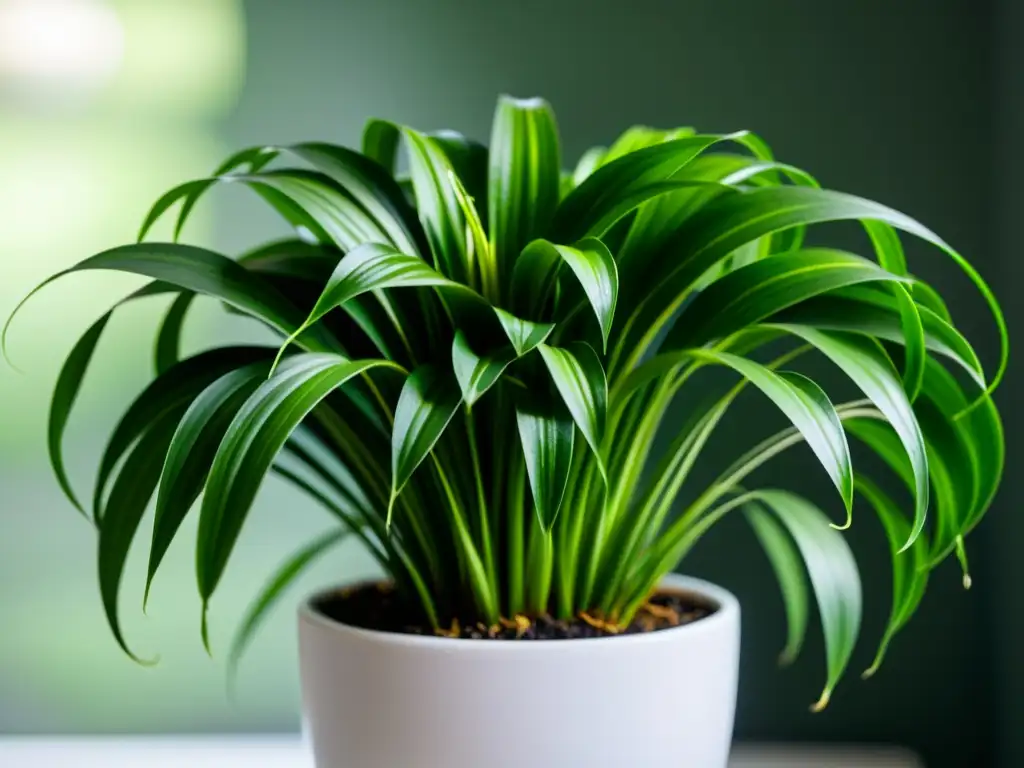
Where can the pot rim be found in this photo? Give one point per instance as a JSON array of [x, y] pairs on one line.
[[727, 609]]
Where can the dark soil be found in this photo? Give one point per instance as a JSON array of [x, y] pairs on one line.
[[375, 606]]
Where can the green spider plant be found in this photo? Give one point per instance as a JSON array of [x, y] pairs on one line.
[[476, 357]]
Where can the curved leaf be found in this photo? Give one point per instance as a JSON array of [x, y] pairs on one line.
[[810, 411], [789, 570], [834, 577], [69, 382], [731, 221], [765, 287], [273, 590], [437, 204], [875, 313], [191, 452], [202, 271], [867, 365], [591, 262], [129, 497], [253, 439], [621, 185], [909, 569], [175, 388]]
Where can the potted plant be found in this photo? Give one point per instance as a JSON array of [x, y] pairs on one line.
[[475, 359]]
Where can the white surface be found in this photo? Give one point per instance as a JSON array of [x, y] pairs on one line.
[[651, 700], [288, 752]]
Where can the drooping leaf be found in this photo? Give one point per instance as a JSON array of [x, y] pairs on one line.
[[763, 288], [273, 590], [909, 569], [129, 497], [730, 221], [789, 571], [834, 577], [253, 439], [191, 452], [867, 365], [876, 314], [590, 261], [69, 382], [808, 408], [202, 271], [547, 434]]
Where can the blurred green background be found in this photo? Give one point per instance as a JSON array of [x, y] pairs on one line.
[[104, 104]]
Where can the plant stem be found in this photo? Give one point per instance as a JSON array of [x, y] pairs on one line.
[[516, 527], [478, 581], [481, 504], [539, 567]]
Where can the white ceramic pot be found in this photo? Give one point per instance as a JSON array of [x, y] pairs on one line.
[[663, 699]]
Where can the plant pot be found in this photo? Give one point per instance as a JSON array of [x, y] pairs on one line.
[[383, 700]]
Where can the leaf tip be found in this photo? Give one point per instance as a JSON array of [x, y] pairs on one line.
[[870, 671], [967, 581], [204, 629], [821, 703]]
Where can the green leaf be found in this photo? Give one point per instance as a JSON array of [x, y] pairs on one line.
[[253, 439], [867, 365], [273, 590], [191, 191], [591, 262], [875, 313], [547, 434], [202, 271], [371, 186], [191, 452], [765, 287], [579, 377], [523, 177], [64, 395], [623, 184], [373, 267], [428, 401], [167, 351], [69, 382], [523, 334], [437, 204], [730, 221], [175, 388], [480, 255], [909, 569], [129, 497], [380, 143], [789, 571], [477, 374], [834, 577], [810, 411]]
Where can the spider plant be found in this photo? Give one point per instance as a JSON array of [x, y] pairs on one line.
[[475, 358]]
